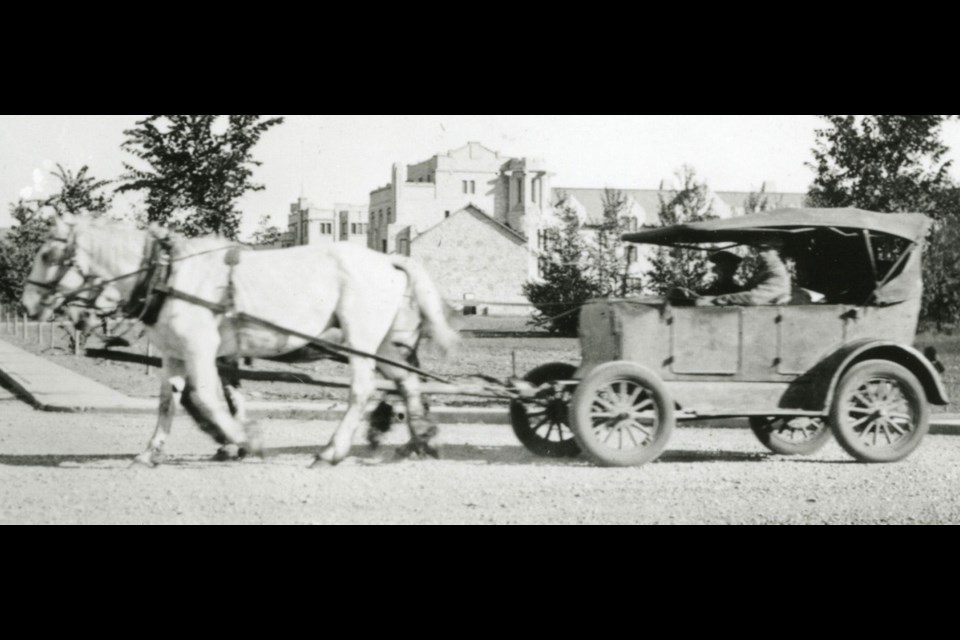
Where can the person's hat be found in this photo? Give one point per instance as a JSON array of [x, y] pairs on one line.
[[726, 257]]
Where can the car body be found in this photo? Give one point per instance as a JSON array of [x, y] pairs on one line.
[[787, 367]]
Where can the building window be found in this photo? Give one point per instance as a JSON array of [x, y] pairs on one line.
[[389, 215], [631, 255], [466, 187], [404, 247], [384, 246], [473, 186], [344, 230], [446, 214]]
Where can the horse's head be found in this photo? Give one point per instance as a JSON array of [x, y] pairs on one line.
[[58, 269], [64, 275]]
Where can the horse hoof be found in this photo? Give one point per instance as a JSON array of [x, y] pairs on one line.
[[144, 461], [228, 453], [418, 451], [322, 463]]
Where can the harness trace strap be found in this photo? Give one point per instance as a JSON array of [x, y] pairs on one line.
[[226, 310]]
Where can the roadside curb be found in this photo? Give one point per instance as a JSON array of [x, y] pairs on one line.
[[13, 385], [942, 424]]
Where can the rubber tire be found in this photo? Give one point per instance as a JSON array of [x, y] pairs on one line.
[[582, 423], [913, 393], [776, 444], [520, 420]]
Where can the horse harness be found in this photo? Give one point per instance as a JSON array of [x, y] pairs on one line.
[[153, 290]]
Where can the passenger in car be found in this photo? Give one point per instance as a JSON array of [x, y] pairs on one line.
[[771, 286], [725, 265]]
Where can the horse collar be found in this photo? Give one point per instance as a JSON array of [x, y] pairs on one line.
[[145, 300]]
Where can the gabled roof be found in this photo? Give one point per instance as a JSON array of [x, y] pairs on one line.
[[479, 214]]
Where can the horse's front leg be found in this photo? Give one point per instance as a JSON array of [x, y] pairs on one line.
[[204, 400], [362, 387], [171, 386]]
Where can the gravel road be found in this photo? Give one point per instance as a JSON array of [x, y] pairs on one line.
[[71, 468]]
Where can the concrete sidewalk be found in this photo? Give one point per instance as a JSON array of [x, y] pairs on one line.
[[50, 387]]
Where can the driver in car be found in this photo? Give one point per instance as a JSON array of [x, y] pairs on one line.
[[772, 285]]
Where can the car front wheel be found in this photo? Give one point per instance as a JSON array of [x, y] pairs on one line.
[[542, 425], [622, 415], [880, 412]]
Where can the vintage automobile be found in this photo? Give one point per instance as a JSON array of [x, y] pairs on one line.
[[798, 372]]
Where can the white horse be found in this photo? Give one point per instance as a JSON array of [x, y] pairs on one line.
[[369, 302]]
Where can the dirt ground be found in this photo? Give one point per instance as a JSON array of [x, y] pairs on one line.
[[74, 469]]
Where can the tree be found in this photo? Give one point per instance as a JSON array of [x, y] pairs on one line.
[[267, 233], [760, 201], [610, 260], [19, 248], [896, 163], [886, 163], [674, 267], [79, 193], [567, 280], [193, 167]]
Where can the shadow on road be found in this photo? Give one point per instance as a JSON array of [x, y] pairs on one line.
[[360, 455]]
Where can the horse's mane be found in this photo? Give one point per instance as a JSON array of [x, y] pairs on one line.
[[118, 240]]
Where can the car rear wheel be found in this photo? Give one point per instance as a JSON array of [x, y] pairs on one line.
[[791, 436], [880, 412], [622, 415], [543, 425]]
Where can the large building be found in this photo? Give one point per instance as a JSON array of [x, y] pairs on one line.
[[476, 219], [309, 224]]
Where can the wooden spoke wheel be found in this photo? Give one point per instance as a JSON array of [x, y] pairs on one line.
[[622, 415], [880, 412], [543, 425], [791, 436]]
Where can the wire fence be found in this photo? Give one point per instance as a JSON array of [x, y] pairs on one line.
[[14, 322]]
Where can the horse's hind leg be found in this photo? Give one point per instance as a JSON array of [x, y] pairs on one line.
[[423, 431], [171, 386], [362, 387]]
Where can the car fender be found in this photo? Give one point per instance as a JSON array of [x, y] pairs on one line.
[[907, 357]]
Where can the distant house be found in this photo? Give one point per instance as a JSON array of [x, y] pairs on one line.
[[309, 224], [475, 260]]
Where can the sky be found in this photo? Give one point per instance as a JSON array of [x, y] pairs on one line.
[[341, 158]]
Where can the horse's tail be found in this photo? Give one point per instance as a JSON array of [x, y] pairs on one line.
[[431, 303]]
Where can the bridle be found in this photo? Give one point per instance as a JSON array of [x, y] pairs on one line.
[[66, 261], [146, 295], [90, 291]]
